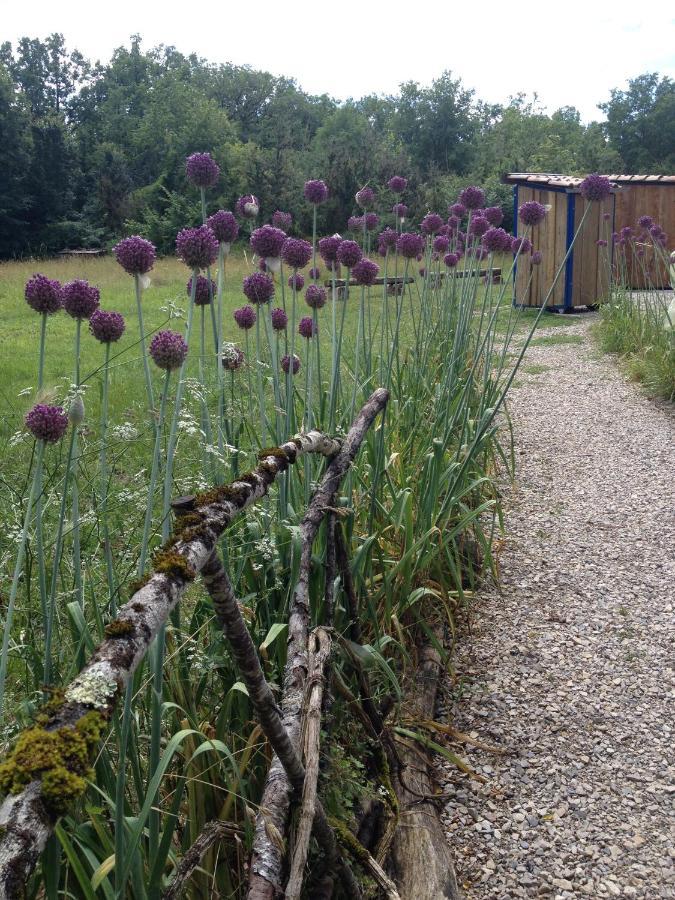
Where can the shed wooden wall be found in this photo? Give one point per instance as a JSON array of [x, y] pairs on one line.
[[589, 265], [637, 199]]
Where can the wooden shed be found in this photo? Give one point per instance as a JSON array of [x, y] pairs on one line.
[[583, 281]]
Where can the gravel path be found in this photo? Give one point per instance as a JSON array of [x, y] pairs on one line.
[[570, 664]]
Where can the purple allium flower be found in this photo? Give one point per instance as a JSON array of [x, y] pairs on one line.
[[451, 260], [316, 191], [349, 253], [626, 232], [441, 243], [43, 294], [80, 299], [297, 281], [453, 223], [532, 213], [606, 216], [247, 207], [46, 423], [365, 197], [258, 288], [224, 226], [410, 245], [659, 235], [536, 258], [595, 187], [204, 290], [431, 223], [107, 327], [286, 363], [382, 249], [472, 197], [496, 240], [458, 210], [245, 317], [296, 252], [168, 350], [365, 271], [479, 225], [315, 273], [601, 243], [267, 242], [282, 220], [135, 255], [328, 248], [400, 210], [197, 247], [494, 215], [372, 221], [315, 296], [615, 237], [232, 357], [521, 243], [387, 238], [262, 265], [640, 252], [306, 327], [355, 223], [279, 319], [645, 222], [202, 170], [397, 184]]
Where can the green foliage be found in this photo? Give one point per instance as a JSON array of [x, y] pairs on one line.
[[641, 123]]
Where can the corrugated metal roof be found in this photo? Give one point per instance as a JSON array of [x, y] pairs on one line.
[[571, 183]]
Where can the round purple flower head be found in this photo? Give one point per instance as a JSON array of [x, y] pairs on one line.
[[451, 260], [315, 296], [279, 319], [472, 197], [441, 243], [494, 215], [532, 213], [204, 290], [453, 224], [296, 252], [458, 210], [316, 191], [232, 357], [521, 243], [349, 253], [80, 299], [626, 232], [496, 240], [365, 197], [267, 241], [107, 327], [135, 255], [46, 423], [197, 247], [595, 187], [328, 248], [315, 273], [479, 225], [372, 221], [431, 223], [400, 210], [282, 220], [224, 226], [245, 317], [387, 238], [410, 245], [536, 258], [168, 350], [43, 294], [640, 252], [365, 271], [297, 281], [258, 288], [601, 243], [355, 223], [202, 170], [397, 184], [247, 207], [606, 216], [286, 363], [645, 222], [306, 327]]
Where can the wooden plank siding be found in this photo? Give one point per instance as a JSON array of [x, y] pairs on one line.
[[647, 198]]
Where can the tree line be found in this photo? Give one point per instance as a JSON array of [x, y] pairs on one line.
[[89, 152]]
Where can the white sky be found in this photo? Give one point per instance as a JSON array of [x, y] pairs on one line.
[[571, 52]]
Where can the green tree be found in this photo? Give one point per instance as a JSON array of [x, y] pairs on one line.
[[641, 123]]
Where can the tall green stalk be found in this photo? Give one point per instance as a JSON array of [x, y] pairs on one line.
[[144, 350]]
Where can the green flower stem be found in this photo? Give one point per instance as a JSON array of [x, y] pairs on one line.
[[144, 349], [259, 381], [120, 784], [153, 477], [274, 353], [41, 358], [107, 548], [216, 331], [39, 535]]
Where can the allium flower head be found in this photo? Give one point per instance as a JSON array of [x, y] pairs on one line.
[[387, 238], [43, 294], [314, 273], [494, 215], [453, 223], [168, 350], [316, 191], [296, 252], [601, 243], [135, 255], [532, 213], [197, 247], [431, 223], [349, 253], [451, 260], [107, 327], [536, 258], [328, 248], [267, 241], [245, 317], [400, 210], [626, 232], [258, 288], [282, 220], [645, 222], [315, 296], [224, 226], [46, 423], [279, 319], [595, 187], [204, 290], [472, 197], [286, 364], [306, 327], [521, 243], [479, 225], [202, 170], [80, 299], [355, 223], [365, 197], [397, 184], [458, 210], [606, 216], [247, 207], [496, 240], [232, 357], [365, 271], [410, 245], [441, 243], [297, 281], [372, 220]]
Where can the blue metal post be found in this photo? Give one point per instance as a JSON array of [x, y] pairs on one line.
[[569, 265]]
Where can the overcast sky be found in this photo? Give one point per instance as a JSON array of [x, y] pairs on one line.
[[570, 53]]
